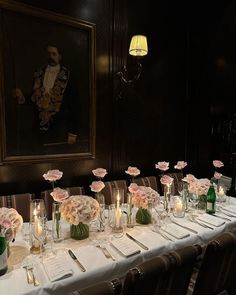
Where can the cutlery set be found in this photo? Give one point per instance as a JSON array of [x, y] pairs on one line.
[[31, 278]]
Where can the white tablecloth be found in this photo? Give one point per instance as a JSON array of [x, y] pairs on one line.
[[98, 267]]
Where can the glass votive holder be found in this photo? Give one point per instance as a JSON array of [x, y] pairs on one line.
[[116, 220], [37, 226], [179, 207]]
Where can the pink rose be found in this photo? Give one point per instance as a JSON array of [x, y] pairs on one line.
[[53, 175], [162, 166], [59, 194], [217, 175], [218, 164], [133, 171], [133, 188], [189, 178], [6, 223], [97, 186], [166, 179], [180, 165], [99, 172]]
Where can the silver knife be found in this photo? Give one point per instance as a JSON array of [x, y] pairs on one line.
[[183, 226], [137, 242], [72, 255]]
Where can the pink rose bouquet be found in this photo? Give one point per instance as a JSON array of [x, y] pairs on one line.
[[145, 196], [77, 209], [10, 223]]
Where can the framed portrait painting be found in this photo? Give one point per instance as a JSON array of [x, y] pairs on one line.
[[47, 85]]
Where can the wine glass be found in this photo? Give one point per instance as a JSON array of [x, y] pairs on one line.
[[180, 188], [194, 199]]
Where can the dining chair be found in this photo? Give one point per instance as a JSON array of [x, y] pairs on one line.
[[167, 274], [113, 287], [75, 190], [216, 274], [150, 181], [5, 201], [21, 202], [114, 184]]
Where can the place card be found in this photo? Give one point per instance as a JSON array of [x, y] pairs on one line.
[[125, 247], [57, 268]]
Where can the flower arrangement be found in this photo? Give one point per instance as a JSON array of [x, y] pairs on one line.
[[77, 210], [144, 196], [10, 223], [58, 195], [200, 186]]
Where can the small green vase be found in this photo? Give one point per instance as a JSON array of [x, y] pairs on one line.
[[80, 231], [143, 216]]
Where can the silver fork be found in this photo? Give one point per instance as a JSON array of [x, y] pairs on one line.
[[106, 252], [35, 281], [28, 274]]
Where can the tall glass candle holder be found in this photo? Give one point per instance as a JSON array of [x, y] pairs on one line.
[[179, 207], [37, 225], [118, 200]]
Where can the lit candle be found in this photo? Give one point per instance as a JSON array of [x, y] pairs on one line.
[[179, 206], [221, 192], [118, 211]]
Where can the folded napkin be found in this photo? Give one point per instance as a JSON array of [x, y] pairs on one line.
[[57, 268], [125, 246], [176, 231], [230, 209], [208, 219]]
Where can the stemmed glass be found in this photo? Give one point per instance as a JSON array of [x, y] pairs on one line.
[[180, 188], [194, 199]]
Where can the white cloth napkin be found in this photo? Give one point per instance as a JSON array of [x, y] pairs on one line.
[[230, 208], [208, 219], [175, 231], [57, 268], [125, 246]]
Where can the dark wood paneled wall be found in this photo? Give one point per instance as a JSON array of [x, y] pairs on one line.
[[165, 115]]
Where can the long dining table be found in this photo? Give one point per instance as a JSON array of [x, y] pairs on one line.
[[99, 267]]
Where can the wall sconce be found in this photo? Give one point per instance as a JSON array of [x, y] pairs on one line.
[[138, 48]]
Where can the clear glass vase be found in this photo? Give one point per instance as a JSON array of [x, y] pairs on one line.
[[3, 255], [57, 232], [101, 219]]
